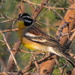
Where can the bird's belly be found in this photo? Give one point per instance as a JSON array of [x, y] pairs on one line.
[[33, 45]]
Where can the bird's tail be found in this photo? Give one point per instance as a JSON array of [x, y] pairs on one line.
[[69, 59]]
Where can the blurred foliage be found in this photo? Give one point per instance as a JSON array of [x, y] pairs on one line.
[[10, 8]]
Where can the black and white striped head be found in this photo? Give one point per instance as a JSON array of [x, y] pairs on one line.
[[26, 18]]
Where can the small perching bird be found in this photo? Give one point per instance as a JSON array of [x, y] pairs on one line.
[[35, 39]]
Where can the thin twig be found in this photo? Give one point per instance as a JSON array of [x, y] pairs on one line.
[[16, 73], [72, 37], [10, 50], [49, 7], [24, 51], [14, 51], [2, 41], [35, 62], [3, 65], [63, 69], [8, 30], [5, 16], [31, 65], [9, 20], [73, 30], [57, 62]]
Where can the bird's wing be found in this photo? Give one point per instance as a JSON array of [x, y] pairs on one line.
[[45, 41], [36, 35]]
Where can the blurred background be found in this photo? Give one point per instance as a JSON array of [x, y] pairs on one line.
[[48, 21]]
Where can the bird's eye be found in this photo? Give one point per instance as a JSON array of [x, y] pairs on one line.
[[26, 17]]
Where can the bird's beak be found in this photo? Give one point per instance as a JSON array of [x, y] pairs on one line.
[[20, 19]]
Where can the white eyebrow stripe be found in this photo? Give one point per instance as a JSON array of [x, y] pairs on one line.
[[31, 35], [26, 17], [27, 21]]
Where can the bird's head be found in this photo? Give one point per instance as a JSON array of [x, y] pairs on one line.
[[25, 20]]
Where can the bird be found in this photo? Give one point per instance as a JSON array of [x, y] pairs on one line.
[[35, 39]]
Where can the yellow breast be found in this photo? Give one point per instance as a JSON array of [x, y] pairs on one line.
[[32, 45], [21, 27]]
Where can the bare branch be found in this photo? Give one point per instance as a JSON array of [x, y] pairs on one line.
[[8, 30], [49, 7], [10, 50], [2, 63], [16, 73], [14, 51]]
